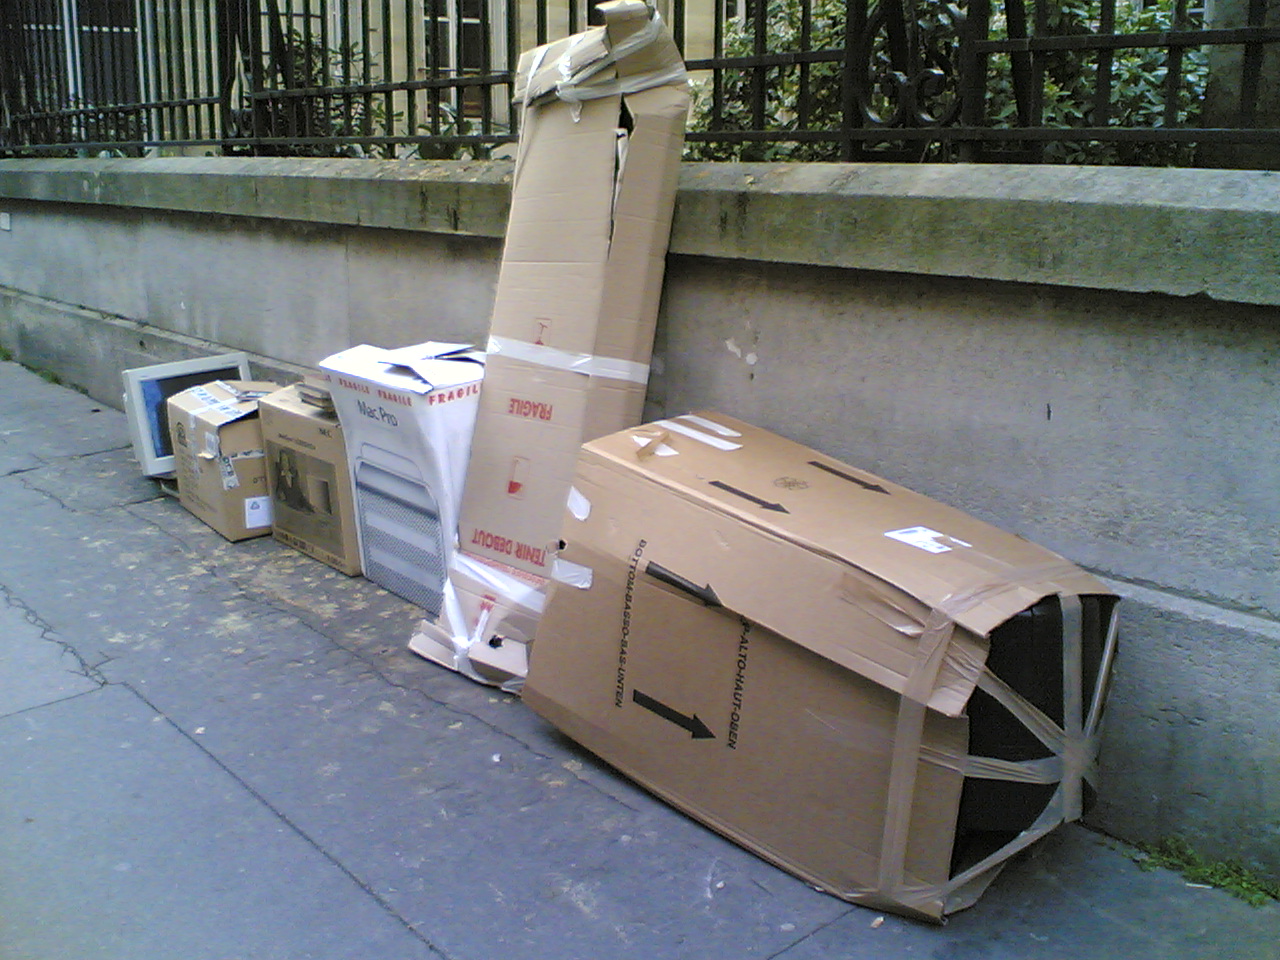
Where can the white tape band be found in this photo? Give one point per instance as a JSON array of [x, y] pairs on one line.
[[708, 439], [571, 574], [609, 368]]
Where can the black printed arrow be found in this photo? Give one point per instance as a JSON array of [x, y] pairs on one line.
[[697, 729], [704, 593], [875, 487], [768, 505]]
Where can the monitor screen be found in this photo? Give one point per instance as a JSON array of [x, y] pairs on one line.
[[146, 394]]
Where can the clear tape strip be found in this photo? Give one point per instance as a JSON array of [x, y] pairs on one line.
[[575, 93], [1074, 757], [909, 732], [576, 87], [1031, 717], [1100, 686], [610, 368]]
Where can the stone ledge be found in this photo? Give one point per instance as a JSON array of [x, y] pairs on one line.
[[1179, 232]]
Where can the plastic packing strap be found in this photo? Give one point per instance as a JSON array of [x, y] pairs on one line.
[[909, 732], [610, 368]]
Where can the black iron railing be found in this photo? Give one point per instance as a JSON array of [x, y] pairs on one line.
[[1094, 81]]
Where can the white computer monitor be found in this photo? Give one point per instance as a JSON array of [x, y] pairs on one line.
[[146, 394]]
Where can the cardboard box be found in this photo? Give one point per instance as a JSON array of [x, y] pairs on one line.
[[407, 416], [218, 456], [877, 692], [308, 479], [602, 130]]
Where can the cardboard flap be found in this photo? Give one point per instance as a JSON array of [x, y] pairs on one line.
[[419, 368], [223, 401], [424, 361]]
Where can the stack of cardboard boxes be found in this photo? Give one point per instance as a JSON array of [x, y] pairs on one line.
[[876, 692]]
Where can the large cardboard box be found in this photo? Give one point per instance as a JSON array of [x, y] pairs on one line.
[[875, 691], [602, 129], [308, 479], [218, 456], [407, 416]]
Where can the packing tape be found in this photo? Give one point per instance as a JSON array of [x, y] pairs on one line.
[[575, 86], [572, 574], [1074, 753], [609, 368], [578, 505], [633, 83], [711, 425], [709, 439]]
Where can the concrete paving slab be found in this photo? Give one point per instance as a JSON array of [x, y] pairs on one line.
[[120, 838], [35, 668]]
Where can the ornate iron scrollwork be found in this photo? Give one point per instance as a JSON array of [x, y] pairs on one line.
[[908, 62]]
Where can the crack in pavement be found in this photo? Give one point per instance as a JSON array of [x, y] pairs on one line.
[[47, 633]]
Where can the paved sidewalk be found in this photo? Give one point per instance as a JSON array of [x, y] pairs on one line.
[[214, 751]]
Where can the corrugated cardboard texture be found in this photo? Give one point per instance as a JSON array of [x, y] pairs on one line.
[[761, 633]]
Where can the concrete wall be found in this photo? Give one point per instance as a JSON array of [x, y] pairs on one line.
[[1090, 358]]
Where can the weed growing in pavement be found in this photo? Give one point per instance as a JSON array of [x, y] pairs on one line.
[[1174, 853]]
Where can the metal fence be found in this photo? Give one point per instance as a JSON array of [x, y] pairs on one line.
[[1096, 81]]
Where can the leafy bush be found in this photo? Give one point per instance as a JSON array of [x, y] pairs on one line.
[[1069, 82]]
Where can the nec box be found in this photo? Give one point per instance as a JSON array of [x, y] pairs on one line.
[[602, 127], [307, 476], [218, 456], [876, 692], [407, 416]]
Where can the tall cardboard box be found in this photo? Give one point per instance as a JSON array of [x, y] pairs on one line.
[[218, 456], [308, 479], [877, 692], [407, 415], [602, 130]]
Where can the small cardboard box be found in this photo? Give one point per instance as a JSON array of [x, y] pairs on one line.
[[877, 692], [218, 456], [407, 416], [309, 480], [602, 129]]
